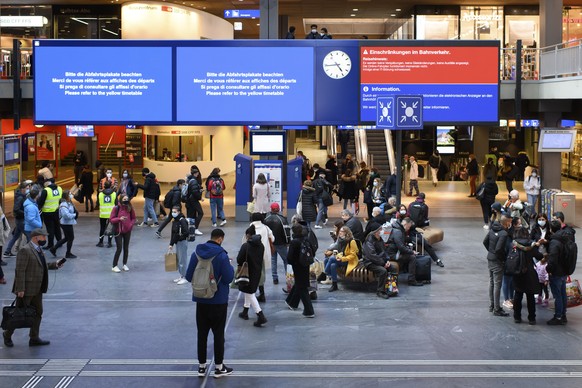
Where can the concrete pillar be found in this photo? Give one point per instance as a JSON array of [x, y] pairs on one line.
[[480, 143], [550, 162], [550, 22], [269, 19]]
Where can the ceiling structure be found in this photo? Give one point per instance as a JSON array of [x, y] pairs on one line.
[[343, 18]]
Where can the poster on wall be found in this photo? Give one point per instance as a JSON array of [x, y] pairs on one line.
[[273, 171], [11, 177], [45, 146]]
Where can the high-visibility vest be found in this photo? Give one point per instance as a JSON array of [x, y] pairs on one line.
[[106, 204], [51, 204]]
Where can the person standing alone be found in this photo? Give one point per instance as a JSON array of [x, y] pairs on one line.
[[215, 186]]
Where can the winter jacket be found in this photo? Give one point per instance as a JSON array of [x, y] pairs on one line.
[[194, 190], [434, 161], [300, 272], [122, 226], [67, 213], [223, 271], [556, 259], [390, 186], [373, 251], [413, 174], [349, 255], [19, 199], [532, 185], [275, 222], [127, 187], [321, 185], [418, 211], [149, 187], [472, 168], [349, 190], [374, 224], [252, 252], [491, 191], [397, 242], [308, 204], [179, 229], [266, 235], [32, 218], [176, 196], [356, 227], [86, 180], [496, 243], [528, 282]]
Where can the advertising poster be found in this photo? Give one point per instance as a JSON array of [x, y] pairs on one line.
[[45, 146], [273, 171], [11, 177]]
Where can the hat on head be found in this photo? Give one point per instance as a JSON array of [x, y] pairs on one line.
[[39, 232], [496, 206], [275, 207]]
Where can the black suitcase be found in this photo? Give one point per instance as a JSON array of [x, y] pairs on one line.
[[423, 268]]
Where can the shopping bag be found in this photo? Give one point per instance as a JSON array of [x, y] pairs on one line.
[[290, 277], [6, 230], [171, 260], [74, 190], [573, 292], [251, 207], [18, 317], [242, 275]]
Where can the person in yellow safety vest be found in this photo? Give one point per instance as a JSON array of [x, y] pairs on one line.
[[48, 203], [106, 200]]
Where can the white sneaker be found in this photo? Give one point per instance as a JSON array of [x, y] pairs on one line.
[[318, 227], [142, 224], [223, 223], [182, 281], [325, 222], [214, 225], [198, 233], [116, 269], [177, 280], [486, 227], [327, 281], [125, 268]]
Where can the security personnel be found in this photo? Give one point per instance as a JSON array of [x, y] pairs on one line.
[[48, 203], [106, 200]]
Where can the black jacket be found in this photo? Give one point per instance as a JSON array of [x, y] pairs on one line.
[[356, 227], [308, 204], [252, 251], [390, 186], [556, 260], [80, 159], [321, 185], [194, 190], [149, 187], [472, 168], [19, 199], [528, 282], [496, 243], [373, 251], [300, 272], [176, 196], [397, 242], [434, 161], [374, 224], [275, 222], [418, 211], [179, 229], [491, 190], [86, 180]]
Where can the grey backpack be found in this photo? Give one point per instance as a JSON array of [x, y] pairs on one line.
[[204, 284]]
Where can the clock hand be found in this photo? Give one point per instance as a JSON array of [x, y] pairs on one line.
[[339, 67]]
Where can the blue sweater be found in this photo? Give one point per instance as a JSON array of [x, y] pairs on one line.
[[31, 216], [223, 271]]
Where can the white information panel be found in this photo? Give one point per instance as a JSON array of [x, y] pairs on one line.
[[273, 171]]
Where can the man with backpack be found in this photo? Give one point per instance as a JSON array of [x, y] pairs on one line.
[[192, 196], [211, 311], [173, 198], [215, 186]]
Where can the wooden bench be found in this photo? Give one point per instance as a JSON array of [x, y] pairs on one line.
[[360, 274]]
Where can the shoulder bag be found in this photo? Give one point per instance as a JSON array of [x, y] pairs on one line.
[[14, 317], [242, 272], [286, 229], [299, 206]]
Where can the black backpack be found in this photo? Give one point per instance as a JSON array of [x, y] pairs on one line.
[[417, 214], [306, 254], [515, 263], [570, 254], [168, 199], [420, 171]]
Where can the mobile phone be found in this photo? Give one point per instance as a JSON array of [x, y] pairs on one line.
[[61, 261]]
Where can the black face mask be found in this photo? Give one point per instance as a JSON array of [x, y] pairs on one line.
[[125, 202], [41, 243]]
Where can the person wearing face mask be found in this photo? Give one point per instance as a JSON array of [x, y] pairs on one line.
[[108, 178], [532, 186], [193, 197], [540, 233], [402, 212], [67, 217], [313, 34], [179, 239], [18, 212], [48, 203], [30, 282], [123, 217], [126, 186], [86, 187], [106, 200], [324, 34]]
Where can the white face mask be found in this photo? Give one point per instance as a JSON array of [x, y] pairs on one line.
[[125, 175], [542, 223], [175, 214], [314, 31], [109, 175], [402, 212], [534, 174], [375, 183]]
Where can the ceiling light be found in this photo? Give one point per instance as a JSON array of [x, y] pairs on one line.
[[258, 24], [355, 10], [393, 14], [398, 9], [353, 14]]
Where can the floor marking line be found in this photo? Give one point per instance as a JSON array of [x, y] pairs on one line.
[[32, 382]]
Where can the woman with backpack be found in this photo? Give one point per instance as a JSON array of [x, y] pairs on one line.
[[179, 238], [252, 252], [300, 290], [67, 217], [123, 217], [215, 187]]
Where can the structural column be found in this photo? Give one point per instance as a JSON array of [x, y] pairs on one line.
[[269, 19]]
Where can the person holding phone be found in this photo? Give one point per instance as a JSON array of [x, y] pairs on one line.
[[123, 217], [31, 281]]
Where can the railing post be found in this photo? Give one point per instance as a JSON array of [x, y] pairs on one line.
[[556, 61]]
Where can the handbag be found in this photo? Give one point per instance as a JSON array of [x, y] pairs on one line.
[[480, 192], [573, 293], [242, 275], [251, 207], [18, 317], [299, 206], [6, 230], [171, 261], [110, 230]]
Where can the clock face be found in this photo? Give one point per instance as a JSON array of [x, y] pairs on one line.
[[337, 64]]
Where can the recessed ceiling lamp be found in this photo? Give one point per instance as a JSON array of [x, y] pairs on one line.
[[393, 14], [355, 9], [353, 15], [398, 9]]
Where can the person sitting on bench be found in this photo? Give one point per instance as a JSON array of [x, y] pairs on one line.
[[397, 245], [345, 256], [376, 261]]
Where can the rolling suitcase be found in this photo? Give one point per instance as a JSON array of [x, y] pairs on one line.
[[423, 268]]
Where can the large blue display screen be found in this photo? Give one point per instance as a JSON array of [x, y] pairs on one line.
[[102, 84], [244, 84]]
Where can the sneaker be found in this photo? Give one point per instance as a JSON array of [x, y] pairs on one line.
[[99, 244], [289, 307], [532, 322], [158, 234], [318, 227], [309, 315], [555, 322], [143, 223], [177, 280], [155, 225], [486, 227], [2, 262], [325, 222], [440, 264], [517, 320], [275, 281], [327, 281], [564, 319], [9, 254], [214, 225], [223, 223], [181, 281], [198, 233], [491, 308], [125, 268], [508, 304], [70, 256], [225, 371], [116, 269], [201, 371], [500, 313]]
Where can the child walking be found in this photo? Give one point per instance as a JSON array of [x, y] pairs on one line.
[[543, 279]]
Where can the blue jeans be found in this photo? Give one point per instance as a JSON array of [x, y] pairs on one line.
[[148, 211], [182, 254], [532, 199], [282, 251], [321, 212], [331, 267], [216, 209], [18, 230], [507, 286], [558, 286]]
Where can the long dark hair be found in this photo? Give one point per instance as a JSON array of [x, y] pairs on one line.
[[195, 168], [261, 179]]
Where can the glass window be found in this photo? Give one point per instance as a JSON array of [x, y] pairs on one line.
[[482, 23], [88, 27], [179, 148], [437, 27], [572, 24]]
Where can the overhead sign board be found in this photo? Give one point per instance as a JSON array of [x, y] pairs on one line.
[[22, 21], [242, 13]]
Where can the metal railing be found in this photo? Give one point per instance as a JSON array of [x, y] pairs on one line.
[[25, 63], [561, 60]]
